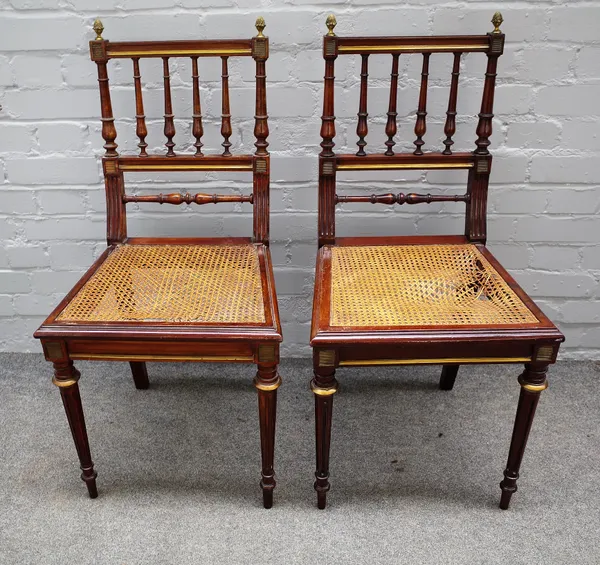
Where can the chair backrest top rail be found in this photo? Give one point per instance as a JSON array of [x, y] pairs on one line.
[[186, 48], [416, 44]]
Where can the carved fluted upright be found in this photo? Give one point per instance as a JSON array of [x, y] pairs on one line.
[[533, 382], [65, 378], [267, 382], [324, 386]]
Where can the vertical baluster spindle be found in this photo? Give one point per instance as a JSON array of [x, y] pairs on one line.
[[391, 127], [362, 128], [169, 124], [450, 126], [421, 126], [225, 112], [141, 129], [197, 129]]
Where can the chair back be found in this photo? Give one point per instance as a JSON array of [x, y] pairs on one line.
[[115, 165], [478, 163]]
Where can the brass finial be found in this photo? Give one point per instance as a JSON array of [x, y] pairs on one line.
[[98, 28], [260, 25], [330, 22], [497, 20]]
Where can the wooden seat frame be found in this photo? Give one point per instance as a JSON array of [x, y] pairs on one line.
[[536, 345], [137, 341]]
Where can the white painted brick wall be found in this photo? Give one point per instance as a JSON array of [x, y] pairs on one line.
[[544, 198]]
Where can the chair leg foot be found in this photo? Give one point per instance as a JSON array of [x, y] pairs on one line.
[[268, 498], [65, 378], [321, 499], [507, 493], [448, 376], [140, 374], [267, 382], [324, 385], [533, 382]]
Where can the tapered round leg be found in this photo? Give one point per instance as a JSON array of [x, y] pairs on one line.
[[324, 387], [140, 374], [533, 382], [448, 377], [267, 382], [66, 377]]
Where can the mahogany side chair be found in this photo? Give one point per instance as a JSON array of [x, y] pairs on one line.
[[418, 299], [174, 299]]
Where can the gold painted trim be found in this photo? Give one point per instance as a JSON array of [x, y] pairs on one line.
[[64, 383], [367, 166], [323, 391], [118, 357], [269, 386], [180, 52], [436, 361], [186, 167], [534, 388], [419, 48]]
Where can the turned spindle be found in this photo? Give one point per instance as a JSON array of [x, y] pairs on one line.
[[225, 111], [362, 128], [391, 127], [197, 129], [421, 125], [450, 126], [169, 123]]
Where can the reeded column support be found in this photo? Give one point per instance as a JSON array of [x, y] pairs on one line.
[[267, 381], [65, 378], [324, 386], [533, 382]]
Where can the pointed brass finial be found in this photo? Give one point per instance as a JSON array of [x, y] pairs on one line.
[[260, 25], [330, 22], [497, 20], [98, 28]]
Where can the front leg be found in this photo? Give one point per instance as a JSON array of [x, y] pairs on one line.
[[65, 378], [324, 386], [267, 382], [533, 382]]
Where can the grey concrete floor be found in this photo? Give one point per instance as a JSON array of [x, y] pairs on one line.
[[415, 470]]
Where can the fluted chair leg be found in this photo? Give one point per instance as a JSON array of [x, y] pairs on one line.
[[324, 385], [267, 382], [65, 378], [533, 382]]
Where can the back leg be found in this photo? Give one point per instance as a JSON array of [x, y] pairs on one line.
[[448, 377], [140, 374]]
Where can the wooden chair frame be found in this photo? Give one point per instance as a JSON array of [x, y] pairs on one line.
[[133, 341], [536, 345]]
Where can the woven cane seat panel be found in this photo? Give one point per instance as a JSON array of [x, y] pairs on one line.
[[173, 283], [420, 285]]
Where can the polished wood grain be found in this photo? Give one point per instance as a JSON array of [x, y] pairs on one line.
[[534, 344], [139, 342]]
